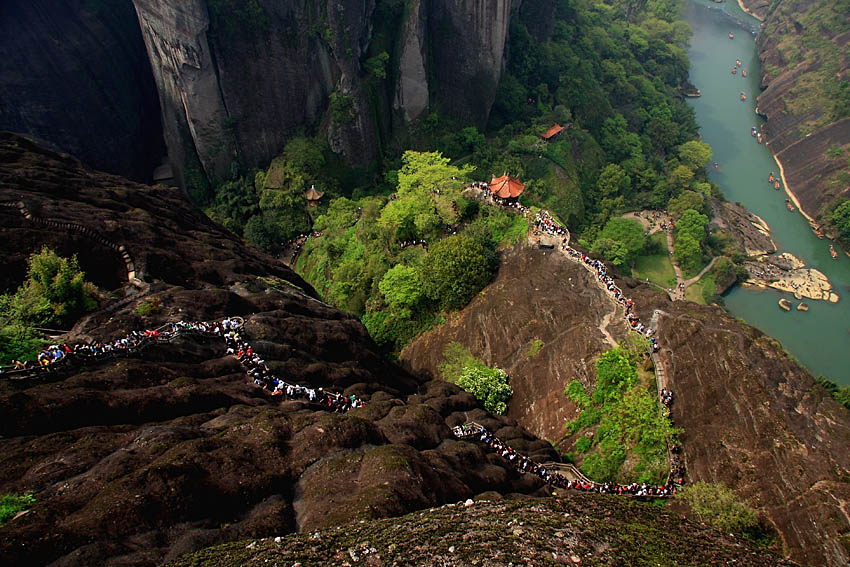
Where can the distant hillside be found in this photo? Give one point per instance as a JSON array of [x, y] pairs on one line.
[[804, 49]]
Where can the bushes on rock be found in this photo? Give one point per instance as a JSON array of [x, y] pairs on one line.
[[488, 385], [11, 504], [718, 506], [628, 421], [54, 293]]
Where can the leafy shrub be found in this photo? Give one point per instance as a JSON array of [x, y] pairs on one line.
[[149, 307], [11, 504], [55, 293], [718, 506], [535, 347], [488, 385], [583, 444]]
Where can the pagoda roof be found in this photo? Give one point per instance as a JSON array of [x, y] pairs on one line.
[[314, 194], [506, 187], [553, 131]]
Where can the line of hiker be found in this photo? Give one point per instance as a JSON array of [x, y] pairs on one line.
[[525, 465], [264, 378], [58, 356]]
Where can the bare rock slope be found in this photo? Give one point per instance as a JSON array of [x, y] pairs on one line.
[[140, 459], [753, 419]]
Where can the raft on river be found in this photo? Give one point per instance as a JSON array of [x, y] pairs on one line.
[[785, 304]]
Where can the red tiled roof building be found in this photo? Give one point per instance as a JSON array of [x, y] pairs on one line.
[[553, 132], [506, 187]]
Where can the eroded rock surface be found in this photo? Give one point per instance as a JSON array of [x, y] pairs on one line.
[[753, 419], [139, 460]]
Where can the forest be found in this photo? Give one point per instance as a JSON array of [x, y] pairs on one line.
[[399, 243]]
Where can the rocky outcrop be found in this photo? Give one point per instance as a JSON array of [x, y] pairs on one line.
[[539, 297], [237, 82], [140, 459], [75, 74], [803, 51], [752, 418], [582, 529], [467, 40]]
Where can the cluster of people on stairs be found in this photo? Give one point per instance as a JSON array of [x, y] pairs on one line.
[[264, 378], [525, 465], [544, 222], [63, 355]]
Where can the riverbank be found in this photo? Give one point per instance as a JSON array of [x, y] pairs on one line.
[[748, 11], [742, 172]]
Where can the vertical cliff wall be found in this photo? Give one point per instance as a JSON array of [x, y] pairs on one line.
[[75, 74], [467, 39]]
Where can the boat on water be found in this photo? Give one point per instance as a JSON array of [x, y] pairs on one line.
[[753, 131], [772, 178], [743, 73], [737, 62], [818, 233], [832, 252], [789, 205], [731, 36], [734, 70], [758, 138], [776, 185], [803, 306], [743, 97], [785, 304]]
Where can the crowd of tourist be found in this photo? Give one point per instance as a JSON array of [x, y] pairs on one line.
[[61, 355], [264, 378], [526, 465], [544, 222]]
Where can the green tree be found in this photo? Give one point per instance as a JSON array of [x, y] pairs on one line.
[[377, 65], [686, 200], [695, 154], [54, 293], [688, 251], [401, 287], [488, 385], [693, 223], [613, 181], [454, 270], [841, 217], [681, 177], [620, 241]]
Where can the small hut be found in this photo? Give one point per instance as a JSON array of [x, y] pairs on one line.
[[313, 195], [506, 187], [553, 133]]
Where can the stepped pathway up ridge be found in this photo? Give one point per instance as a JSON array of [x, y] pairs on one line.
[[132, 276]]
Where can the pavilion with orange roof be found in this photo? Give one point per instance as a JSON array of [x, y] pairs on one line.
[[506, 187], [553, 132]]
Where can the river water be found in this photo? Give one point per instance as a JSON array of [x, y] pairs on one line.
[[819, 338]]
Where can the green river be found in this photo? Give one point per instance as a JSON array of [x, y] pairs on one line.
[[819, 338]]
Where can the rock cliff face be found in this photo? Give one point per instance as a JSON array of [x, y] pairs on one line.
[[803, 51], [753, 419], [141, 459], [468, 45], [75, 74]]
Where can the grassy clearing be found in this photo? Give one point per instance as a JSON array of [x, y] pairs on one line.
[[657, 268]]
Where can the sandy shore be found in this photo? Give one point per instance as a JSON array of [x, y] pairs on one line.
[[744, 8], [789, 193]]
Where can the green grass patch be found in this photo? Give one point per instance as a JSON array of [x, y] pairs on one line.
[[656, 268], [11, 504], [535, 347]]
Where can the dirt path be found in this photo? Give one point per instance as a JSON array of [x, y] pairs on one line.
[[696, 278], [603, 327]]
